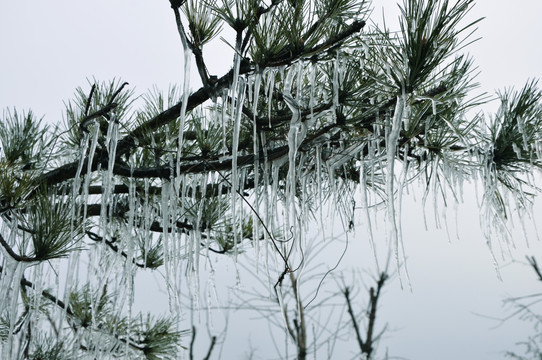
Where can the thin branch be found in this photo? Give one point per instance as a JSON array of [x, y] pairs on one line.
[[116, 93], [155, 226], [13, 254], [191, 351], [110, 243], [47, 295], [259, 13], [372, 312], [196, 50], [301, 327], [211, 346], [102, 112], [89, 99], [534, 264], [366, 346], [288, 58], [346, 293]]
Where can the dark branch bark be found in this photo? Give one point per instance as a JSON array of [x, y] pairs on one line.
[[300, 326], [129, 141], [13, 254], [372, 313], [53, 299], [89, 99], [184, 227], [111, 244], [211, 346], [47, 295], [192, 340], [195, 48], [346, 293], [366, 346], [211, 190]]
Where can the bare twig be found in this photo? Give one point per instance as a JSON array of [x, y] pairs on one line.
[[192, 340], [300, 327], [534, 264], [346, 293], [211, 346], [366, 346]]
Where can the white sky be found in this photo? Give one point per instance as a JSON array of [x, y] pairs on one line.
[[49, 48]]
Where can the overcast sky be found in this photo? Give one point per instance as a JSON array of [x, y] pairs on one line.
[[49, 48]]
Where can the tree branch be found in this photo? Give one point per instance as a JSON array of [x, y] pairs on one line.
[[97, 238], [129, 141], [196, 50], [13, 254], [211, 346], [366, 346], [346, 293], [534, 265]]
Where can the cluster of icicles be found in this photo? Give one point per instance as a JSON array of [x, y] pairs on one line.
[[285, 216]]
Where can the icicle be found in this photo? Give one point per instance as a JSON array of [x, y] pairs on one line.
[[300, 81], [365, 206], [236, 65], [76, 188], [435, 199], [235, 144], [538, 149], [106, 211], [312, 80], [335, 85], [224, 120], [365, 49], [11, 283], [187, 57], [276, 165], [517, 150], [127, 281], [256, 151], [95, 132], [521, 128], [318, 159], [6, 280], [257, 85], [270, 91], [295, 137], [391, 148], [250, 85], [401, 187], [165, 241]]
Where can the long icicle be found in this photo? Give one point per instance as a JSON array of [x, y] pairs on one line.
[[391, 148]]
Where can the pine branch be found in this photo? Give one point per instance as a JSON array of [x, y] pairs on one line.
[[259, 13], [126, 144], [196, 50]]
